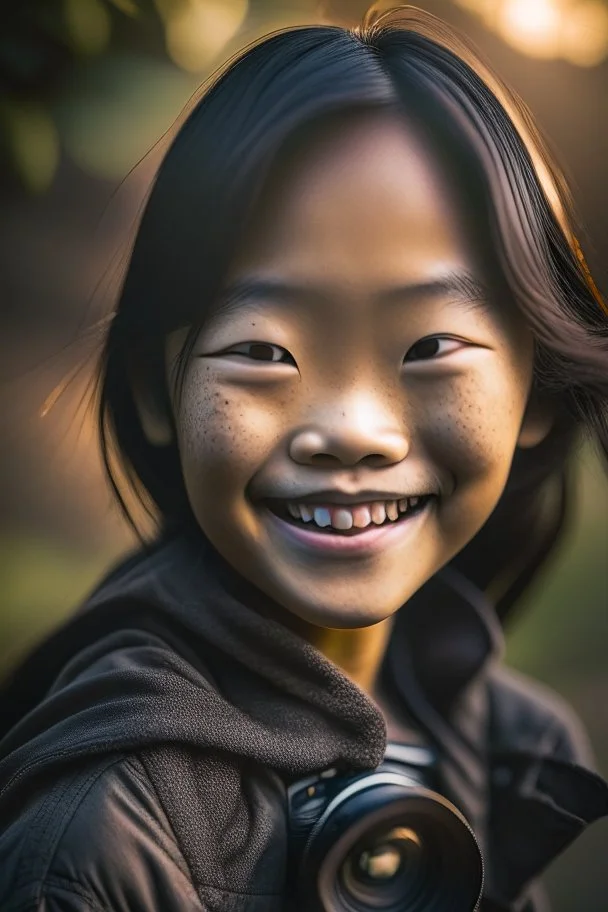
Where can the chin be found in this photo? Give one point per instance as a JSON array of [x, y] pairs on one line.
[[340, 615]]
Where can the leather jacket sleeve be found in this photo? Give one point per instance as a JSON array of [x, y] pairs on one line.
[[96, 841]]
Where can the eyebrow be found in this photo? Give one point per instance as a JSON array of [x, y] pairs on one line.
[[462, 287]]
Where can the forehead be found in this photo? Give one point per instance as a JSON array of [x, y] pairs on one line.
[[368, 200]]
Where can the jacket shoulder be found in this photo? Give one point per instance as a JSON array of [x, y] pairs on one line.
[[97, 839], [530, 717]]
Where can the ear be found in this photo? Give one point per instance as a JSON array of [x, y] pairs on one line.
[[154, 420], [537, 422], [155, 426]]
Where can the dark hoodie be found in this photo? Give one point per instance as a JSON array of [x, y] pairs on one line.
[[149, 743]]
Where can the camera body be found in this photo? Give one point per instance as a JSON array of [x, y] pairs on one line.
[[384, 840]]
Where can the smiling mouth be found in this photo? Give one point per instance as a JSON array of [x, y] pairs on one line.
[[343, 520]]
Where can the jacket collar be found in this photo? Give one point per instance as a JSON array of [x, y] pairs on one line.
[[441, 662]]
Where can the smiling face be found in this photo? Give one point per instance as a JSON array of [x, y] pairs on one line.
[[360, 359]]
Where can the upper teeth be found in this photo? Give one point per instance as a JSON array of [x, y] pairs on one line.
[[359, 515]]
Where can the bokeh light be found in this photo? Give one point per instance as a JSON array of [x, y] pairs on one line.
[[486, 10], [584, 36], [198, 30], [128, 7], [88, 25], [32, 137], [532, 26], [118, 111], [574, 30]]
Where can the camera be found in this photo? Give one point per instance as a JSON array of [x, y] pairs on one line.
[[381, 841]]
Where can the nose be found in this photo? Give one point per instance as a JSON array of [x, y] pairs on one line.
[[361, 433]]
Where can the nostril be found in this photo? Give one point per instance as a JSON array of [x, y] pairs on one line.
[[371, 459], [374, 459], [348, 446], [324, 459]]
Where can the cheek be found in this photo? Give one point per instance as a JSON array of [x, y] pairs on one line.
[[475, 424], [473, 436], [224, 436]]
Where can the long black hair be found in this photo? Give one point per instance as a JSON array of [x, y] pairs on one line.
[[204, 191]]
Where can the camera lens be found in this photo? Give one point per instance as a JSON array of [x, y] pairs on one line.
[[386, 868], [384, 859], [389, 845]]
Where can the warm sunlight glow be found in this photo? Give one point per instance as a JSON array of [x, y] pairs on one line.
[[197, 30], [532, 26], [584, 38], [487, 10], [575, 30]]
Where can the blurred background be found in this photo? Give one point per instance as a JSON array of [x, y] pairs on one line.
[[87, 87]]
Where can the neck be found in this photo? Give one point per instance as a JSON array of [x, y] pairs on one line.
[[359, 653]]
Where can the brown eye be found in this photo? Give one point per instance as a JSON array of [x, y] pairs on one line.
[[428, 349], [262, 351]]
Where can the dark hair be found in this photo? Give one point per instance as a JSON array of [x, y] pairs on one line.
[[204, 190]]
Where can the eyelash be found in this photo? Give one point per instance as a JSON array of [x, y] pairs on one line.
[[232, 351]]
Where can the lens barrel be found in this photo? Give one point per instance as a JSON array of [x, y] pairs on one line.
[[387, 844]]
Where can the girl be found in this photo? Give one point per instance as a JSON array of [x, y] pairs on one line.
[[355, 346]]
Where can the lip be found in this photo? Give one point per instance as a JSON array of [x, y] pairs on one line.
[[337, 496], [369, 541]]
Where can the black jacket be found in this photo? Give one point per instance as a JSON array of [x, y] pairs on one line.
[[150, 742]]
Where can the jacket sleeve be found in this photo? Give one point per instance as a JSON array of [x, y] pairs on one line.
[[95, 842], [62, 899]]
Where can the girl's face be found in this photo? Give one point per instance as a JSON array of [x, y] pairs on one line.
[[361, 361]]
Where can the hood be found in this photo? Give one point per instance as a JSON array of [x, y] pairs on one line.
[[193, 663]]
